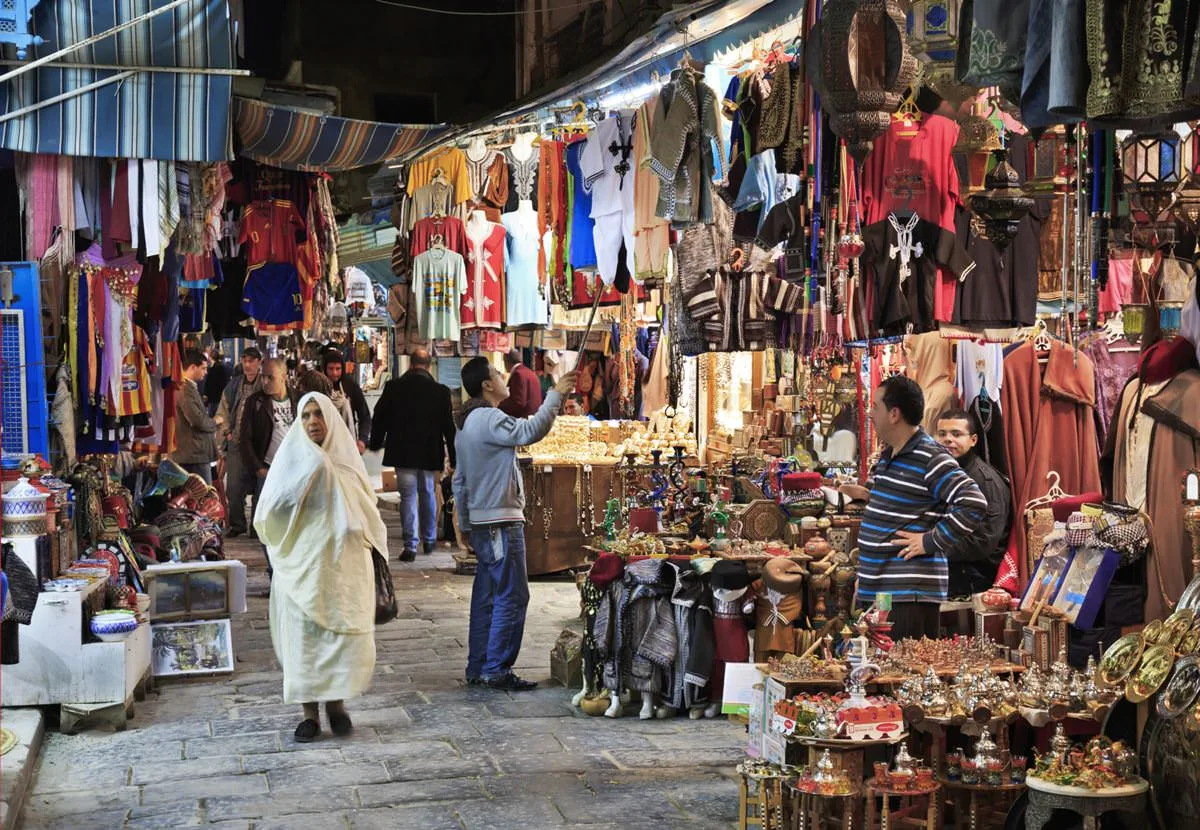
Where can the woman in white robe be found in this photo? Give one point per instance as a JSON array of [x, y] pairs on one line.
[[317, 515]]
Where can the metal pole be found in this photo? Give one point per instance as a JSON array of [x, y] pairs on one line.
[[120, 76], [116, 67], [88, 41]]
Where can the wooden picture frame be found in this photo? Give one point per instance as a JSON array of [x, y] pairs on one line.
[[197, 594], [191, 648]]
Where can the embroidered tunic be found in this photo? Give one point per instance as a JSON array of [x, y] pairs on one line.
[[483, 300], [685, 127], [522, 178]]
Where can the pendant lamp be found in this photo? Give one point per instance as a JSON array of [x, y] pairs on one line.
[[933, 39], [1002, 204], [865, 67], [1133, 320], [1152, 165]]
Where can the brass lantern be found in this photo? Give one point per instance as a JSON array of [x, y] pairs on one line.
[[933, 38], [1152, 165], [1002, 204], [866, 67]]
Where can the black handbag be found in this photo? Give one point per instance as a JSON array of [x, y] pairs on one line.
[[386, 609]]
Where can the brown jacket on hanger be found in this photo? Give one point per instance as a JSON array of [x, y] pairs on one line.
[[930, 359], [1049, 424]]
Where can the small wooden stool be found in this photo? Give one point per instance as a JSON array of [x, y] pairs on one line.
[[813, 811], [761, 803], [980, 806], [921, 809]]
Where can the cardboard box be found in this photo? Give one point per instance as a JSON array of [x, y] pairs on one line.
[[389, 481]]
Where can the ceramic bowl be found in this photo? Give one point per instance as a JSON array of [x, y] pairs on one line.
[[24, 500], [114, 626]]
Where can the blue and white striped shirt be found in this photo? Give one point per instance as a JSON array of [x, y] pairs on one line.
[[922, 489]]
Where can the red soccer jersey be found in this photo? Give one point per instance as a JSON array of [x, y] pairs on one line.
[[272, 230]]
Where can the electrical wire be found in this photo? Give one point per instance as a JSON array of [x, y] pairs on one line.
[[459, 13]]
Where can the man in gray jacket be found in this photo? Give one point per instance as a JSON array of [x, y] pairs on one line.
[[490, 497], [195, 432]]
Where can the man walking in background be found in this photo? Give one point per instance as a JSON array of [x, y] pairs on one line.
[[267, 417], [239, 481], [195, 431], [524, 388], [414, 425], [491, 509], [347, 387]]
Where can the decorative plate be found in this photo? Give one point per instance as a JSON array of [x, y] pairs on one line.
[[1190, 598], [1153, 632], [1120, 659], [1181, 691], [1176, 626], [1190, 643], [1151, 674]]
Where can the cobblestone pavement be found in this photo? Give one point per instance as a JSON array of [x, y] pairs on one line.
[[426, 751]]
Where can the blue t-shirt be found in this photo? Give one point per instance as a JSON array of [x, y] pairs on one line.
[[272, 294], [583, 244]]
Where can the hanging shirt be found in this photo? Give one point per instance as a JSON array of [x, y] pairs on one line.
[[453, 164], [477, 171], [136, 392], [439, 279], [281, 421], [433, 198], [483, 300], [737, 308], [607, 165], [522, 178], [272, 230], [980, 368], [358, 287], [583, 244], [272, 294], [450, 228], [905, 255], [525, 300], [916, 173]]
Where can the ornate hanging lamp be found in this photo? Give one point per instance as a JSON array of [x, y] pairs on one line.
[[933, 39], [1152, 166], [865, 68], [1002, 204]]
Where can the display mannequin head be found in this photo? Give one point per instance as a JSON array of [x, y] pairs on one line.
[[898, 409]]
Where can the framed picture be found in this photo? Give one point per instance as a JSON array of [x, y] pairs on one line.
[[189, 594], [187, 648]]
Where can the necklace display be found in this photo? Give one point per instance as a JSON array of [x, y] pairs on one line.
[[585, 511]]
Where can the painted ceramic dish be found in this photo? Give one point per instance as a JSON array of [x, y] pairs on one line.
[[1120, 659], [1190, 644], [1181, 690], [1176, 626], [1157, 662], [113, 626], [1153, 632]]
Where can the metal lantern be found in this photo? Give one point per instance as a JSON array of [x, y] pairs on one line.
[[1190, 153], [977, 138], [1187, 208], [866, 67], [1170, 317], [1152, 165], [1050, 162], [1003, 203], [933, 39]]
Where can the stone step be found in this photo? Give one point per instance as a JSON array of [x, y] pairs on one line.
[[19, 762]]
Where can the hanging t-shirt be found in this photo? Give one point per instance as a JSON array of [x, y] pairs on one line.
[[272, 294], [439, 278], [450, 228], [272, 229], [358, 287], [135, 398], [281, 421], [525, 298], [607, 165], [452, 163], [785, 223], [435, 198]]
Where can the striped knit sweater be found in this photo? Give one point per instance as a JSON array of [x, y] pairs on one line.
[[921, 488]]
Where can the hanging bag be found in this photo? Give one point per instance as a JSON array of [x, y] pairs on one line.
[[386, 609]]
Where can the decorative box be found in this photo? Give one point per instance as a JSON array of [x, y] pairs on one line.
[[24, 501]]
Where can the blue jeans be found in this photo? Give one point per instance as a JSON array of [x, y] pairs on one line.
[[499, 598], [418, 506], [202, 470]]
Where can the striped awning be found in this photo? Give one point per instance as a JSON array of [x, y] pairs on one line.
[[181, 116], [298, 140]]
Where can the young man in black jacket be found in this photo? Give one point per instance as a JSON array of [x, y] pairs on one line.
[[413, 419], [268, 416], [977, 556], [335, 369]]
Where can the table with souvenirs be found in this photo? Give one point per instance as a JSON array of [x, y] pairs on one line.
[[85, 545]]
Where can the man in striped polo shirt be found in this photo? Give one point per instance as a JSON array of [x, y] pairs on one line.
[[919, 506]]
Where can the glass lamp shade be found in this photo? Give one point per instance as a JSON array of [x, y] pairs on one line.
[[1187, 208], [1002, 205], [1152, 167], [1190, 153], [1170, 317], [933, 29], [1049, 161], [1133, 320], [865, 67]]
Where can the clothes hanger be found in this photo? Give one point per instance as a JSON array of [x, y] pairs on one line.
[[438, 242], [1053, 493], [908, 116]]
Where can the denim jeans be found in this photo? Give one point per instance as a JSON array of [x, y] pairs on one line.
[[203, 470], [258, 485], [499, 598], [418, 506]]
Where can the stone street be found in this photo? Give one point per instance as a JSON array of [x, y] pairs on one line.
[[426, 751]]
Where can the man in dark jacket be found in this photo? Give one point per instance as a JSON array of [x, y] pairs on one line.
[[524, 388], [345, 386], [239, 481], [414, 420], [266, 419], [976, 557]]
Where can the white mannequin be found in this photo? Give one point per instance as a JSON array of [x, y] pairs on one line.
[[477, 148], [522, 146], [841, 446], [525, 209], [478, 225]]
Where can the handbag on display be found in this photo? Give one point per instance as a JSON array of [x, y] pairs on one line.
[[386, 609]]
